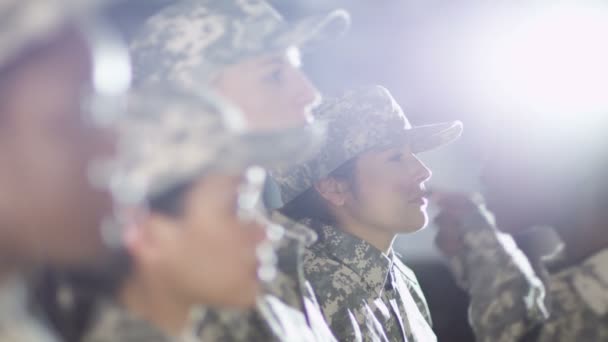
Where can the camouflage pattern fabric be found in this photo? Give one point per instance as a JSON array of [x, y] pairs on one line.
[[365, 295], [578, 298], [172, 135], [358, 120], [507, 298], [17, 323], [288, 311], [267, 323], [507, 305], [271, 320], [189, 41], [114, 323]]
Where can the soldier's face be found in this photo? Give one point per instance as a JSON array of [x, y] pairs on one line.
[[208, 253], [271, 90], [49, 211], [389, 190]]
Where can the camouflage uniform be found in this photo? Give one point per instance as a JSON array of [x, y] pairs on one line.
[[187, 44], [172, 135], [23, 24], [364, 293], [578, 302], [509, 304], [356, 281], [113, 322], [191, 41], [505, 304]]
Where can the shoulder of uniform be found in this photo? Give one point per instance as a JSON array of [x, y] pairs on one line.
[[329, 276], [318, 261]]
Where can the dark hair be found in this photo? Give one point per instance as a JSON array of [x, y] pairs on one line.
[[311, 205], [171, 202]]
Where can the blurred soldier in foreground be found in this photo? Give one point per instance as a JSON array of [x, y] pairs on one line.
[[557, 179], [61, 78], [364, 187], [186, 158], [246, 52]]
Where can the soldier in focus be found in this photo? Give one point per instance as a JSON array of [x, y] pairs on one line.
[[364, 187]]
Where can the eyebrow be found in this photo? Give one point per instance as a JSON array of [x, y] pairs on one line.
[[274, 60]]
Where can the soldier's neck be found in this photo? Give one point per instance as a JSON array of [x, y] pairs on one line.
[[381, 239], [151, 300]]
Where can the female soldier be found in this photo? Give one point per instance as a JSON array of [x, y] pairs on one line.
[[363, 188], [53, 60], [247, 53], [184, 172]]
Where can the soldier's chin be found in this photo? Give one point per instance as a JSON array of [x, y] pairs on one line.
[[415, 221]]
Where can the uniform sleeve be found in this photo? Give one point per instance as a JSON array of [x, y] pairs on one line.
[[507, 298], [591, 283]]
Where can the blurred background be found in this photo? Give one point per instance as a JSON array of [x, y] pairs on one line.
[[490, 64]]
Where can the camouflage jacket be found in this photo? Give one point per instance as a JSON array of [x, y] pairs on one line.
[[114, 323], [507, 297], [578, 298], [508, 305], [272, 320], [288, 311], [366, 295], [17, 322]]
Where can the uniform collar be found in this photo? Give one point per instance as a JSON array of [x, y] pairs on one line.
[[294, 230], [365, 260]]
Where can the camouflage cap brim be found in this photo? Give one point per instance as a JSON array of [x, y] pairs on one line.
[[295, 179], [272, 149], [172, 135], [191, 41], [26, 22], [310, 31], [429, 137], [359, 120]]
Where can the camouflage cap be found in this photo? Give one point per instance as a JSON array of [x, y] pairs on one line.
[[24, 22], [357, 121], [189, 41], [173, 135]]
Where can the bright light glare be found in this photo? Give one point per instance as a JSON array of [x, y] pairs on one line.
[[112, 71], [555, 61]]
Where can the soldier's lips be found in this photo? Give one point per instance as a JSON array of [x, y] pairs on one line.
[[419, 201], [419, 198]]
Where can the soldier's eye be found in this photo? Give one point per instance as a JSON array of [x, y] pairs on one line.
[[275, 76], [397, 157]]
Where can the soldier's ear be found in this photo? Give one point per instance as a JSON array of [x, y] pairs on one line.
[[149, 236], [332, 190]]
